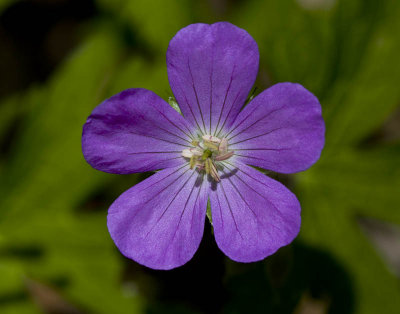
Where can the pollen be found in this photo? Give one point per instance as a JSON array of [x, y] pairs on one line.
[[207, 154]]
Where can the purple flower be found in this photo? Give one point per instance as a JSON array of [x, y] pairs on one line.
[[205, 153]]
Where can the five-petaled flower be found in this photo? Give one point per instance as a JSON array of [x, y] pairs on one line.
[[205, 153]]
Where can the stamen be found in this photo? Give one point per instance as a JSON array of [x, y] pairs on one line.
[[212, 170], [192, 162], [190, 152], [225, 156], [207, 166], [196, 151], [187, 153], [210, 145], [206, 152], [223, 146], [210, 138]]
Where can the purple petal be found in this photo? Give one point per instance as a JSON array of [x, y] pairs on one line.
[[159, 222], [134, 131], [253, 215], [211, 69], [282, 129]]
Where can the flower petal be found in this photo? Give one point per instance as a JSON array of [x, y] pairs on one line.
[[282, 129], [211, 69], [134, 131], [253, 215], [159, 222]]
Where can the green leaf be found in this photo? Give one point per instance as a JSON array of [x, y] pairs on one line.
[[136, 72], [333, 194], [47, 179], [295, 44], [359, 104], [327, 226], [156, 21], [365, 180]]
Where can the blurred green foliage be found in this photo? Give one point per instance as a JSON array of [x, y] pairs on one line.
[[53, 205]]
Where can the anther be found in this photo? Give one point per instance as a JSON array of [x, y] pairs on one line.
[[223, 145], [210, 138], [224, 156]]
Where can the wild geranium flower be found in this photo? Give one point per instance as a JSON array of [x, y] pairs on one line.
[[205, 153]]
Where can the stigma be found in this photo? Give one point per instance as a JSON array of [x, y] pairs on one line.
[[207, 153]]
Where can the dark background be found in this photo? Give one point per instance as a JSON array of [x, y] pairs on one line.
[[60, 58]]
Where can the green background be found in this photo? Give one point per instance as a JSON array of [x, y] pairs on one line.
[[59, 59]]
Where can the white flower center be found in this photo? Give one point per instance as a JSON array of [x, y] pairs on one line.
[[206, 153]]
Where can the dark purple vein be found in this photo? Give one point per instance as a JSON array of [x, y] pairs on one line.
[[227, 116], [168, 152], [160, 139], [263, 117], [175, 196], [230, 209], [269, 148], [174, 172], [220, 210], [249, 186], [211, 86], [180, 218], [253, 137], [190, 108], [241, 196], [197, 197], [197, 98], [186, 140], [241, 170], [175, 125], [226, 96]]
